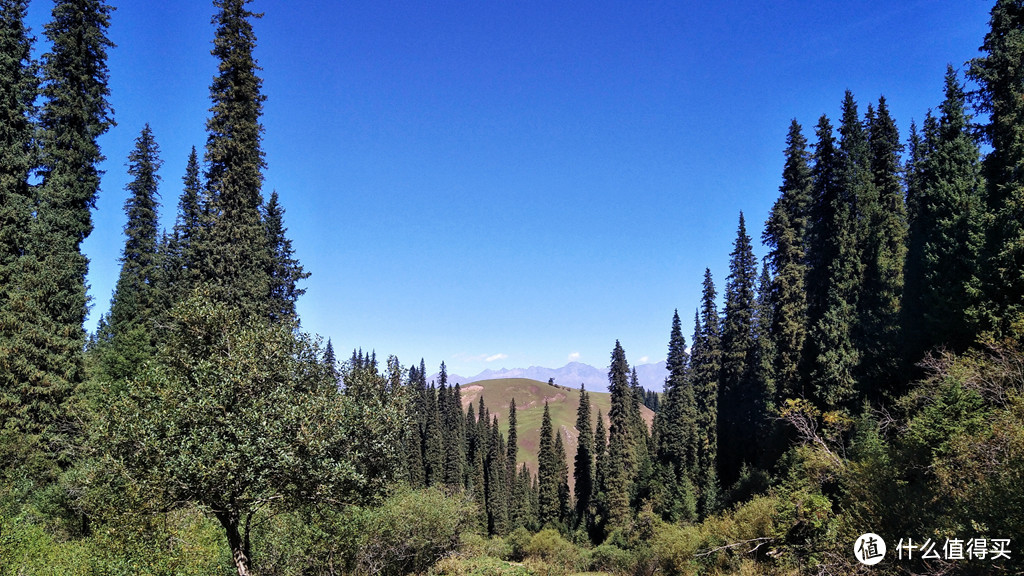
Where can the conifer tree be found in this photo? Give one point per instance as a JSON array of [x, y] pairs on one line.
[[785, 234], [621, 463], [234, 257], [284, 269], [834, 275], [134, 303], [74, 114], [433, 451], [497, 491], [706, 363], [583, 463], [179, 269], [765, 353], [562, 478], [18, 90], [884, 258], [547, 473], [523, 513], [949, 251], [512, 451], [21, 325], [1000, 78], [738, 410], [137, 302], [600, 464], [676, 426], [920, 224], [476, 485], [454, 437]]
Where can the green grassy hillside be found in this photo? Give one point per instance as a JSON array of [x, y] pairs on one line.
[[530, 396]]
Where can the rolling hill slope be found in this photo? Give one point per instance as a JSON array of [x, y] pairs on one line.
[[530, 395]]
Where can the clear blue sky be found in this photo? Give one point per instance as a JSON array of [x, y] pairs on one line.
[[516, 183]]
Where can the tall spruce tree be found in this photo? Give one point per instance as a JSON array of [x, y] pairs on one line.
[[600, 498], [178, 270], [454, 437], [583, 462], [562, 478], [512, 451], [433, 443], [234, 258], [547, 473], [949, 250], [884, 256], [138, 300], [738, 414], [134, 302], [476, 481], [835, 266], [706, 366], [1000, 78], [764, 358], [497, 486], [785, 234], [23, 381], [676, 431], [621, 464], [74, 114], [284, 270], [920, 224]]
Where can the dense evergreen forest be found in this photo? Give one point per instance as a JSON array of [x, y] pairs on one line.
[[867, 376]]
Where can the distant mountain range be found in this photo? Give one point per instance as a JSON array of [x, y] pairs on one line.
[[650, 376]]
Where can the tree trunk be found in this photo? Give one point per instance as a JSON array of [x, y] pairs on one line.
[[239, 546]]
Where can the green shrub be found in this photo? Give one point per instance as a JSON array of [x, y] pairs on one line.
[[412, 530], [549, 546], [517, 542], [610, 558]]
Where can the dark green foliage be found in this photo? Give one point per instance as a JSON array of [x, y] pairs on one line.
[[513, 448], [47, 357], [921, 225], [179, 270], [786, 235], [739, 399], [764, 358], [497, 486], [652, 400], [676, 432], [18, 86], [522, 512], [1000, 79], [285, 271], [136, 304], [600, 497], [433, 440], [24, 385], [233, 257], [883, 256], [453, 431], [239, 415], [949, 233], [621, 464], [547, 474], [561, 478], [833, 279], [706, 365], [476, 481], [411, 531], [583, 463]]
